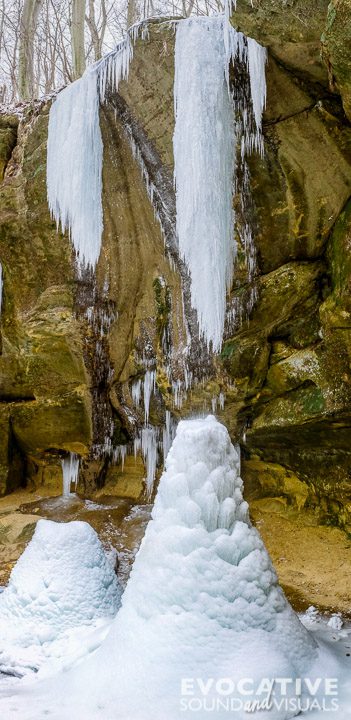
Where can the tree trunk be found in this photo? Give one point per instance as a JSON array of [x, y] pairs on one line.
[[77, 37], [28, 24], [131, 13]]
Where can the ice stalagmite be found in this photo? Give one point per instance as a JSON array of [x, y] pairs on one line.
[[62, 581], [202, 601]]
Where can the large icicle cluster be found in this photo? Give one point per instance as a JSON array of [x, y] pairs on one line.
[[74, 166], [204, 151], [75, 150], [209, 123]]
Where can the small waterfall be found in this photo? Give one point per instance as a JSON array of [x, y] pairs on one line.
[[70, 472]]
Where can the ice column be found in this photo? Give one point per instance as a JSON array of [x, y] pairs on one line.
[[74, 166], [74, 154], [209, 124], [70, 471], [204, 151]]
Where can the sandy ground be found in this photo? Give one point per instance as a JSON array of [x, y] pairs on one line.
[[313, 561]]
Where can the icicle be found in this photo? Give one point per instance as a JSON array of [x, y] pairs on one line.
[[214, 405], [119, 454], [149, 389], [74, 154], [257, 58], [204, 150], [74, 166], [149, 452], [70, 472], [137, 446], [136, 392], [204, 154], [221, 400], [168, 434]]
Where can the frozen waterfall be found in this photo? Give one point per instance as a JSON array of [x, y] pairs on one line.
[[204, 152], [74, 166], [75, 150], [205, 139], [206, 135]]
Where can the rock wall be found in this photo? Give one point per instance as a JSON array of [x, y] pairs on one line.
[[285, 371]]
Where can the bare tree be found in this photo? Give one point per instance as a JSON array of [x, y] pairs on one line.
[[45, 44], [28, 25], [77, 35], [97, 33]]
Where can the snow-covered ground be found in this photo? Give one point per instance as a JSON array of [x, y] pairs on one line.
[[201, 612]]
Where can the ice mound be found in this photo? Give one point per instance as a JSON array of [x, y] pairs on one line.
[[62, 581], [202, 601]]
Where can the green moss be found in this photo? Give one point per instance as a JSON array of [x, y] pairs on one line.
[[163, 303], [313, 401]]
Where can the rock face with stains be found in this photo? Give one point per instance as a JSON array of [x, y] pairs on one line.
[[285, 371]]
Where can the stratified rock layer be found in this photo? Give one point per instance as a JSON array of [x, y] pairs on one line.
[[285, 373]]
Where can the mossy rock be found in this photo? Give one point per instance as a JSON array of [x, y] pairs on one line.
[[8, 137], [53, 425], [337, 50], [292, 30], [126, 482]]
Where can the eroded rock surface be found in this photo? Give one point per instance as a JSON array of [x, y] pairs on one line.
[[285, 370]]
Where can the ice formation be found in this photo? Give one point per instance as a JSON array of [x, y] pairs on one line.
[[206, 132], [202, 607], [62, 580], [74, 154], [202, 600], [149, 453], [149, 388], [152, 442], [74, 165], [256, 58], [70, 471], [204, 151]]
